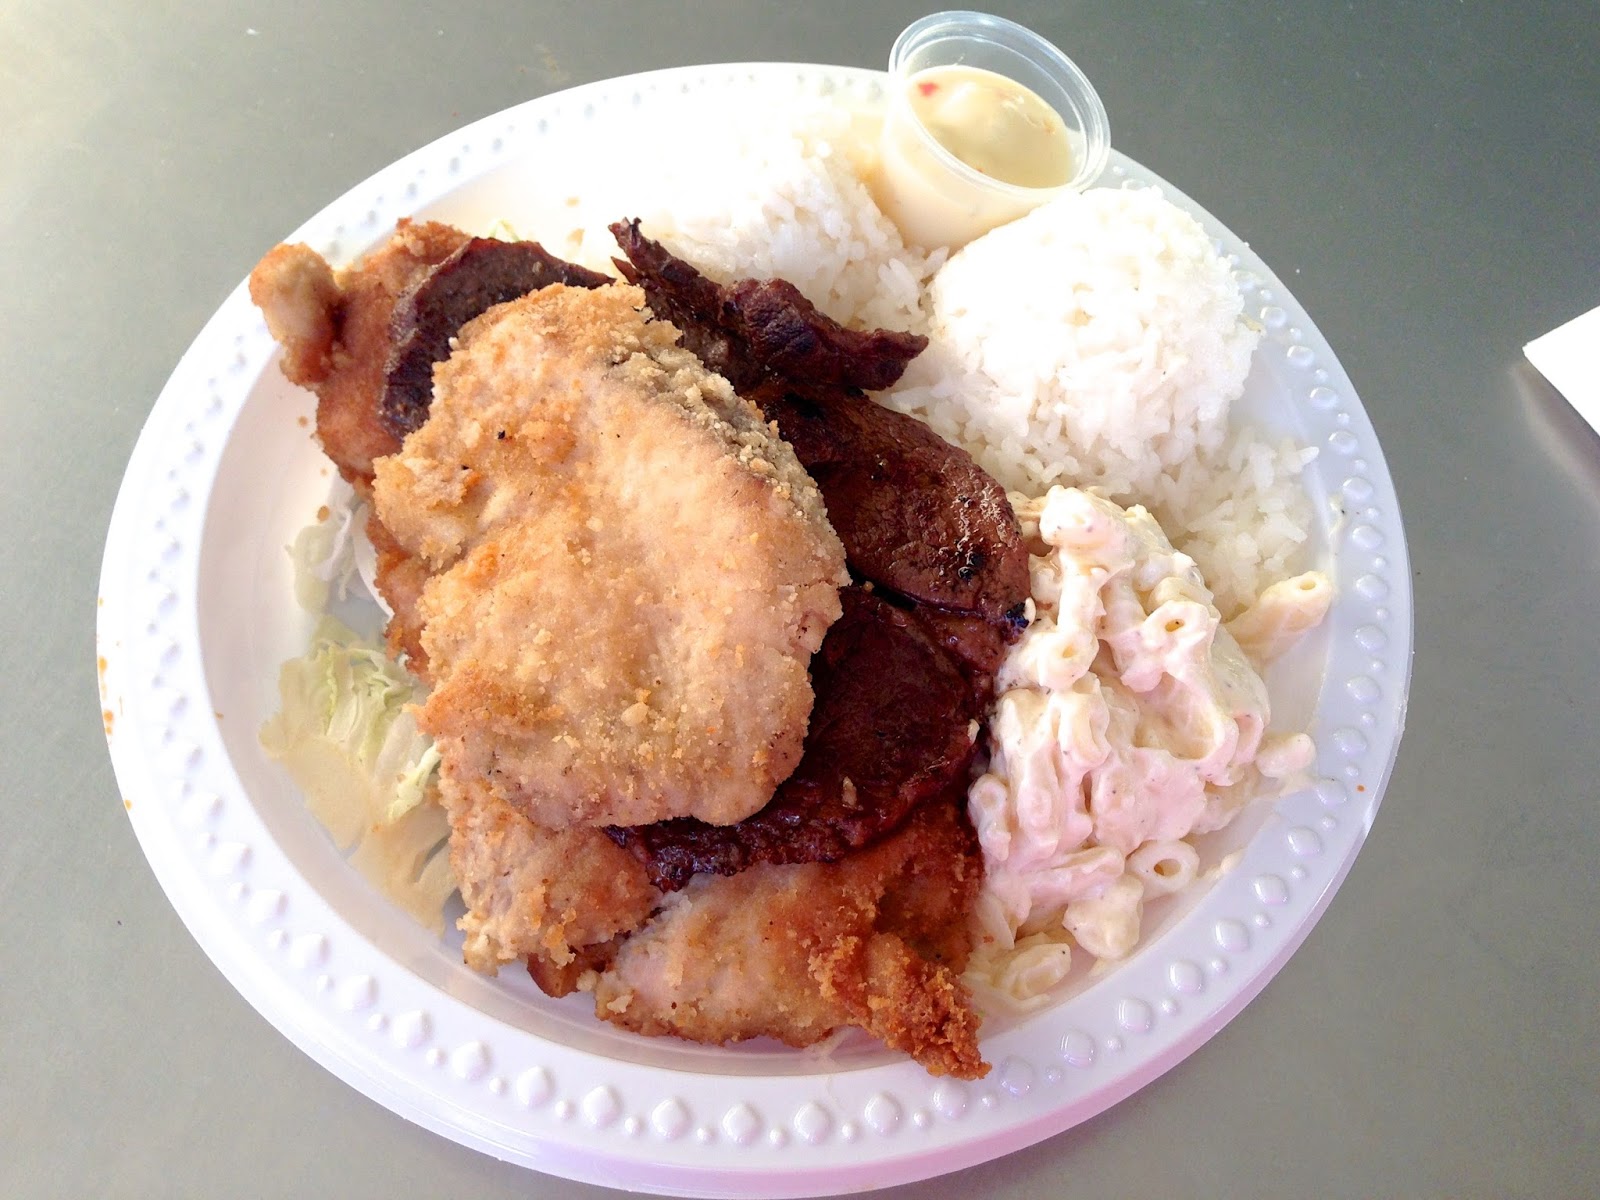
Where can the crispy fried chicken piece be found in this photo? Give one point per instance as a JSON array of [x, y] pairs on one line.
[[892, 726], [400, 578], [334, 330], [630, 572], [366, 341], [875, 941], [537, 892], [562, 978], [795, 952], [481, 273], [297, 293]]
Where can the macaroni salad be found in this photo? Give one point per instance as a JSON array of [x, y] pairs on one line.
[[1129, 718]]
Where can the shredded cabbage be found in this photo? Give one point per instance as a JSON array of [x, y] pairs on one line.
[[324, 552], [504, 231], [345, 733]]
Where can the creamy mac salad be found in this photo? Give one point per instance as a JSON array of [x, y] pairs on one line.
[[1129, 719]]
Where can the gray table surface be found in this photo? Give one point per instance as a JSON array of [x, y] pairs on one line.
[[1423, 175]]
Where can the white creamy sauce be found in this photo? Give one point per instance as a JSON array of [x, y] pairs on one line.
[[1012, 150], [993, 124]]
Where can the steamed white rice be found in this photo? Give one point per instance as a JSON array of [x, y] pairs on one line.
[[1241, 513], [760, 199], [1097, 342]]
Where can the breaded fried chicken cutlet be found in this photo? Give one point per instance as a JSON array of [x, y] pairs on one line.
[[795, 952], [365, 338], [334, 328], [629, 570], [674, 776], [536, 893]]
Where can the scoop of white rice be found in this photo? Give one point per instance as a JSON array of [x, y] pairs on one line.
[[767, 196], [1097, 341]]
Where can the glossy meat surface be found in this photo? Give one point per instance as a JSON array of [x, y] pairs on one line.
[[916, 514], [758, 328]]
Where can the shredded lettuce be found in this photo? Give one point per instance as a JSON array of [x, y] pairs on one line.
[[324, 552], [345, 732], [504, 231]]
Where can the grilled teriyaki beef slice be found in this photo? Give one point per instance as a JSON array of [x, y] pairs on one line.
[[756, 329], [481, 273], [916, 514], [978, 645], [890, 729]]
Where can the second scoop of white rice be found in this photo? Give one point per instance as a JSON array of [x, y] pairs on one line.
[[1100, 342], [1097, 342]]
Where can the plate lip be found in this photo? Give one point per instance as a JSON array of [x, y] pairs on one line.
[[265, 987]]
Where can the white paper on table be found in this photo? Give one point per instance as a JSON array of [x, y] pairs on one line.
[[1569, 357]]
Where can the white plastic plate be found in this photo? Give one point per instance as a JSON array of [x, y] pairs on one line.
[[196, 614]]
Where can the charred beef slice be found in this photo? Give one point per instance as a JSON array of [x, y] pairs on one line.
[[483, 272]]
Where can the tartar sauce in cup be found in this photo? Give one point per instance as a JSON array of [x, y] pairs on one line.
[[986, 121], [993, 124]]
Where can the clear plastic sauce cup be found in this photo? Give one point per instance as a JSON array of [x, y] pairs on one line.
[[961, 150]]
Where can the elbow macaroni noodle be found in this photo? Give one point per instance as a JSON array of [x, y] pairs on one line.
[[1129, 718], [1283, 612]]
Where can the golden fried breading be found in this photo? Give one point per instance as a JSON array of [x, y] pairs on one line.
[[794, 952], [334, 330], [400, 579], [539, 892], [630, 571]]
